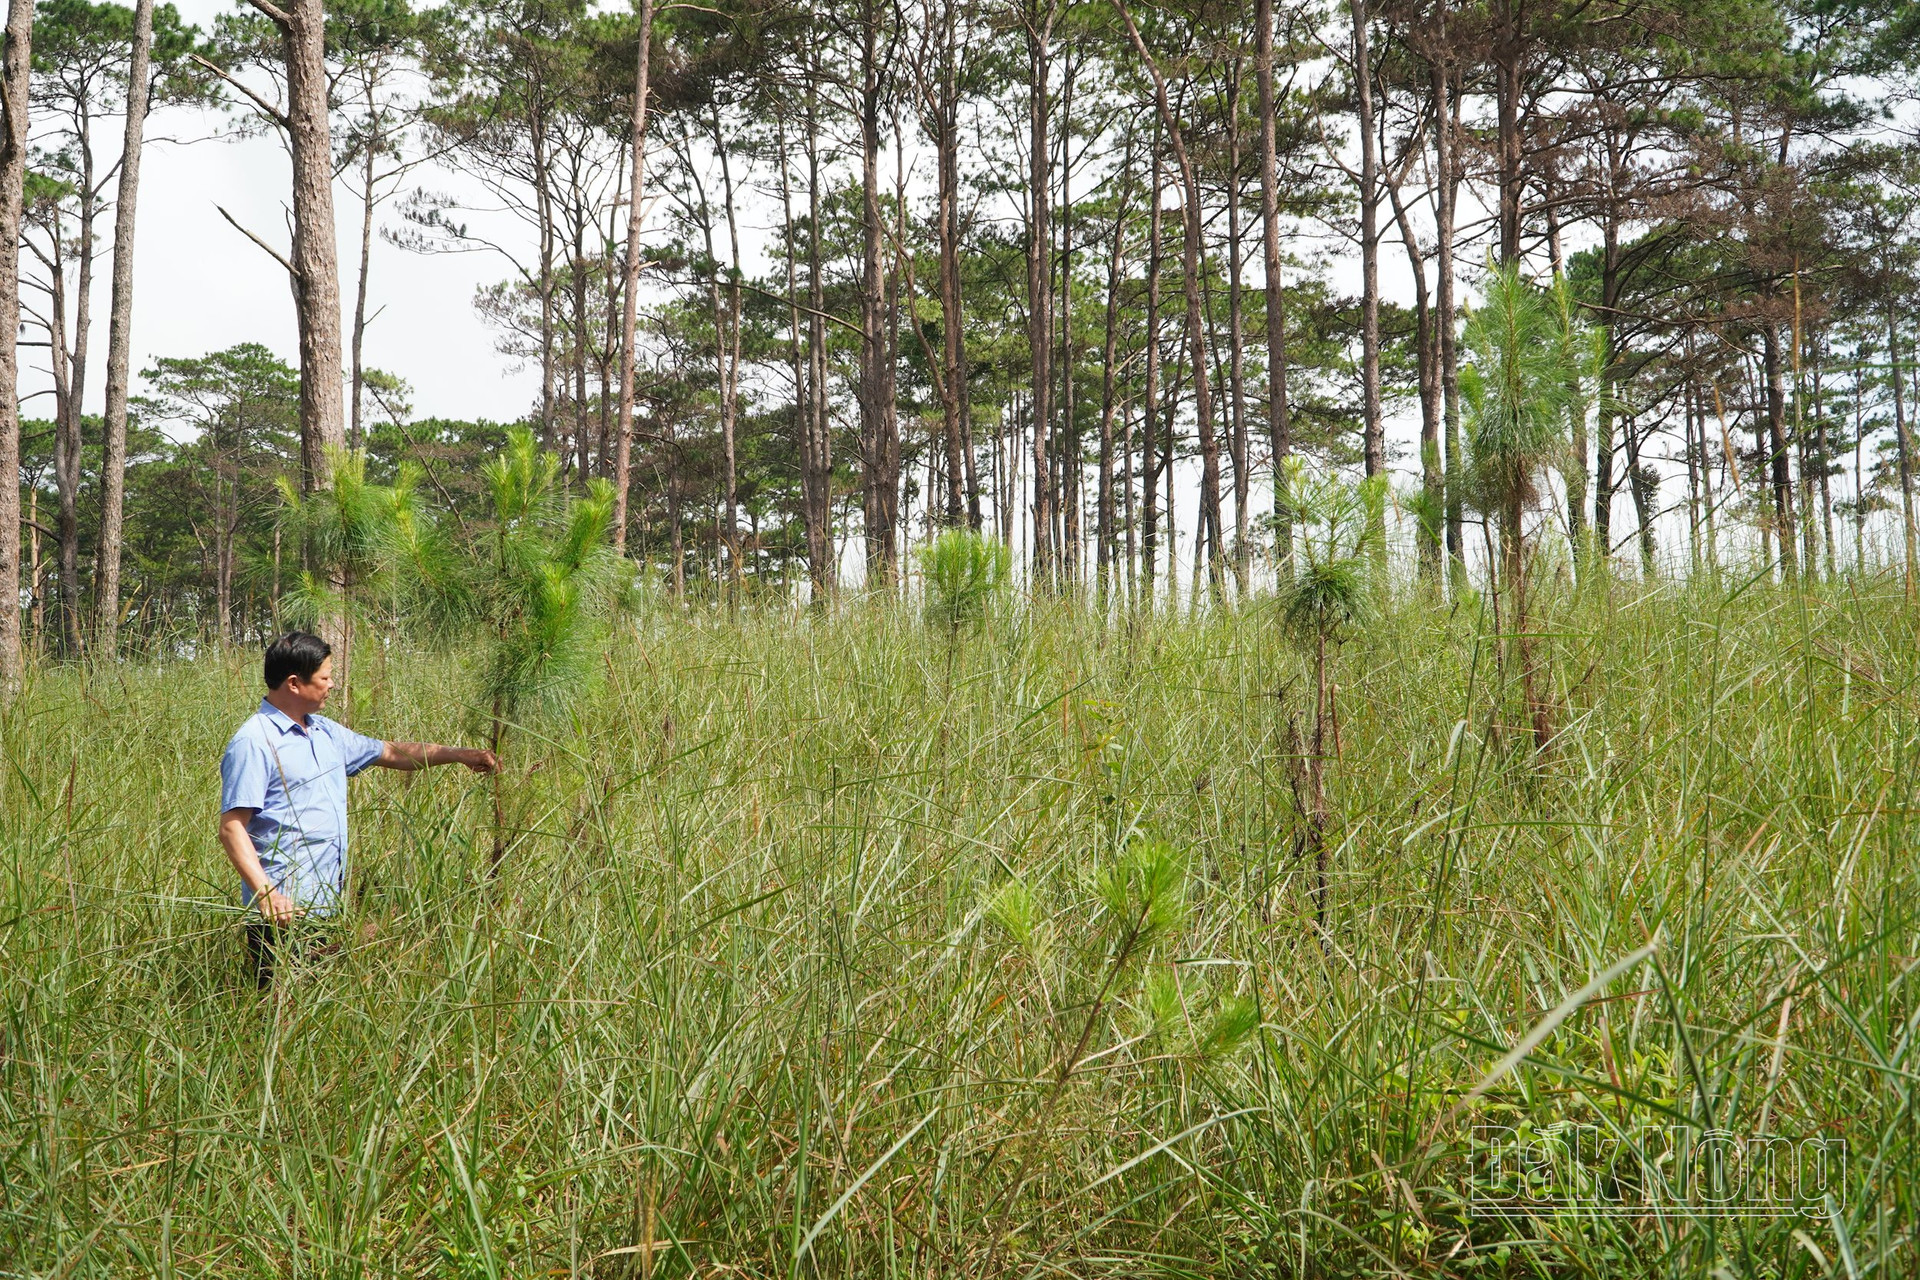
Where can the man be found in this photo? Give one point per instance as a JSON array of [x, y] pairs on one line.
[[283, 793]]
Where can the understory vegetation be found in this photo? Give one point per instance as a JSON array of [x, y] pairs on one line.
[[851, 945]]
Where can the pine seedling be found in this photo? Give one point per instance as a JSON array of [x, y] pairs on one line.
[[1523, 380], [357, 539], [1143, 893], [1331, 591], [547, 589], [966, 575]]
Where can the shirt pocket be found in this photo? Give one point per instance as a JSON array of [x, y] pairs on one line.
[[301, 775]]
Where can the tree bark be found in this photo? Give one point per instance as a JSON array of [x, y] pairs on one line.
[[1603, 420], [1575, 474], [797, 364], [880, 484], [1109, 359], [1040, 283], [1067, 457], [1904, 445], [1374, 438], [69, 436], [113, 466], [630, 278], [543, 281], [1236, 341], [1196, 324], [316, 269], [1641, 487], [66, 451], [953, 386], [1427, 358], [1279, 427], [355, 431], [730, 371], [1150, 401], [1781, 465], [1445, 122], [1507, 76], [17, 59], [818, 459], [577, 277]]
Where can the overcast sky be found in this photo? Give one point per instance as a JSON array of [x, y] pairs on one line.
[[200, 286]]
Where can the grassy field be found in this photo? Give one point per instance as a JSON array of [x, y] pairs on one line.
[[817, 954]]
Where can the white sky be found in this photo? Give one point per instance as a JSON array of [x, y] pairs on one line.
[[200, 286]]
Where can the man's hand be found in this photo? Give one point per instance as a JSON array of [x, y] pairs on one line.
[[480, 761], [276, 908], [408, 756]]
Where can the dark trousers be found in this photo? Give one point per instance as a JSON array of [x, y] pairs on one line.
[[270, 947]]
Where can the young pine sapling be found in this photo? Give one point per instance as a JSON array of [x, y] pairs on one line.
[[966, 575], [546, 587], [1333, 587], [1523, 380], [358, 541]]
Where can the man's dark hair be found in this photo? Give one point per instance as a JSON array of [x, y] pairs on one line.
[[295, 654]]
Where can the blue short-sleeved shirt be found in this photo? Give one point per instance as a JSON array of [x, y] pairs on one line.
[[295, 779]]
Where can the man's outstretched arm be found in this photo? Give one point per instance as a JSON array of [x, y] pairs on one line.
[[408, 756]]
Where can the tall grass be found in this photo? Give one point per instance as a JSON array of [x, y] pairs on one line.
[[807, 962]]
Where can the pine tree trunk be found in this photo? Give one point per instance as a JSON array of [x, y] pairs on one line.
[[1279, 428], [1109, 360], [582, 434], [1040, 283], [879, 487], [953, 385], [1513, 552], [1236, 342], [1446, 187], [676, 528], [819, 458], [70, 436], [1904, 444], [1506, 64], [730, 374], [1427, 358], [113, 466], [66, 454], [1067, 457], [1150, 402], [1196, 323], [316, 269], [18, 58], [630, 278], [802, 393], [1603, 419], [543, 279], [1374, 439], [1640, 486], [1575, 472], [1823, 447], [36, 642], [356, 432], [1781, 464]]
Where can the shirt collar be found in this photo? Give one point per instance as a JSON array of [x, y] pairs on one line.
[[280, 719]]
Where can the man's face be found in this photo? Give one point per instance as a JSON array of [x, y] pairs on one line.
[[310, 693]]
